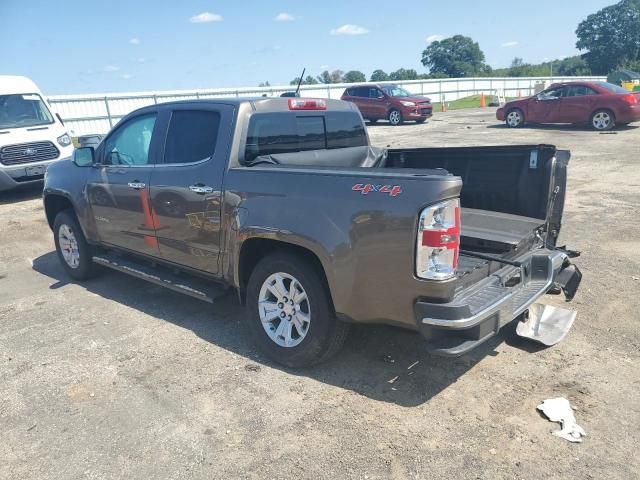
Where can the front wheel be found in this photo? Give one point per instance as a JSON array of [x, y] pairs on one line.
[[514, 118], [602, 120], [73, 250], [289, 312], [395, 117]]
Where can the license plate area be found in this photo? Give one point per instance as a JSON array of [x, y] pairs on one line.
[[35, 171]]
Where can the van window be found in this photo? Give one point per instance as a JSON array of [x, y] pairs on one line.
[[23, 110], [273, 133], [192, 136]]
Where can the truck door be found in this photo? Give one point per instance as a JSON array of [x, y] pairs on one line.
[[186, 185], [118, 187]]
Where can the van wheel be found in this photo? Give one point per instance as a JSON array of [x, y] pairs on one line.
[[603, 120], [289, 312], [395, 117], [514, 118], [74, 252]]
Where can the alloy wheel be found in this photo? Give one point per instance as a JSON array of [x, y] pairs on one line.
[[69, 246]]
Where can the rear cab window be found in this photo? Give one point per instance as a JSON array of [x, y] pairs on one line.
[[192, 136], [289, 132]]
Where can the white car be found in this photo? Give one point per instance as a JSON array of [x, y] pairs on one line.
[[31, 135]]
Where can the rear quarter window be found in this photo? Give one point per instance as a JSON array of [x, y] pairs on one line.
[[288, 132]]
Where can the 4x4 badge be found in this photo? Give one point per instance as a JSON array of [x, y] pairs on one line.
[[364, 189]]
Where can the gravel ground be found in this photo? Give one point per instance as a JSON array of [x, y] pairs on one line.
[[115, 378]]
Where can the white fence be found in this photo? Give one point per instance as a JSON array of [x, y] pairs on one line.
[[86, 114]]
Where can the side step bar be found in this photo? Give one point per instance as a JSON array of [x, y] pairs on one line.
[[192, 286]]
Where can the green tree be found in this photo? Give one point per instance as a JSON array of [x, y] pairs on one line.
[[333, 77], [265, 84], [611, 36], [309, 80], [354, 76], [402, 74], [458, 56], [379, 76], [573, 66]]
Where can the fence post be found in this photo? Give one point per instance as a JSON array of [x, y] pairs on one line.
[[328, 91], [155, 99], [106, 105], [440, 89]]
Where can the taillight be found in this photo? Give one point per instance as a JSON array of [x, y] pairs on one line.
[[307, 104], [438, 241], [630, 99]]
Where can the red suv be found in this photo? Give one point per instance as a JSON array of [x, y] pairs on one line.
[[389, 102]]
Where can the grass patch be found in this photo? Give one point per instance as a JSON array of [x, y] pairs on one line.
[[466, 102]]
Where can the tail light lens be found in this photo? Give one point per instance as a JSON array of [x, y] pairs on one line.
[[438, 241], [630, 99], [307, 104]]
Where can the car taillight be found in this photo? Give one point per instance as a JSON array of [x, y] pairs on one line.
[[630, 99], [438, 241], [307, 104]]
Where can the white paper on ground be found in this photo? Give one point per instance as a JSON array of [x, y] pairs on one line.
[[559, 410]]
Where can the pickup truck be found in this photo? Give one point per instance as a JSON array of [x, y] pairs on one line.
[[285, 202]]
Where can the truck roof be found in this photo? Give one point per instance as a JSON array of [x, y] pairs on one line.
[[271, 104], [12, 84]]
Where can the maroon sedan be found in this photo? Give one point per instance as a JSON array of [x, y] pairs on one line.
[[599, 104], [391, 102]]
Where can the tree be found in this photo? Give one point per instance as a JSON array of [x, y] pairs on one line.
[[354, 76], [458, 56], [402, 74], [379, 76], [611, 36], [573, 66], [309, 80], [265, 84]]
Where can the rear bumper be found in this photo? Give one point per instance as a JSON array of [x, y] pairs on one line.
[[628, 115], [478, 313]]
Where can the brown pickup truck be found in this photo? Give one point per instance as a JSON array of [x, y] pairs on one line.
[[284, 201]]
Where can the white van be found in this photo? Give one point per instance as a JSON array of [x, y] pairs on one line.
[[31, 135]]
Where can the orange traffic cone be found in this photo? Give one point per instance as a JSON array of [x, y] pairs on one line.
[[483, 102], [443, 104]]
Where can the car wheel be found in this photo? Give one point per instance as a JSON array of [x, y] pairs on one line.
[[289, 312], [603, 120], [514, 118], [74, 252], [395, 117]]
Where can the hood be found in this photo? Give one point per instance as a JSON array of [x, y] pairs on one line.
[[10, 136], [413, 98]]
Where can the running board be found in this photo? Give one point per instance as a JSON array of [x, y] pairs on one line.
[[201, 289]]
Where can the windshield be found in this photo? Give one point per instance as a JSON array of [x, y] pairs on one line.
[[396, 92], [613, 88], [23, 110]]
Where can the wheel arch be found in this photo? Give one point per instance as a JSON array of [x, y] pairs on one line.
[[255, 249], [54, 204]]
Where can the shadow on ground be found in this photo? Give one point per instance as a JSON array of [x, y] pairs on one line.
[[383, 363], [567, 127], [21, 194]]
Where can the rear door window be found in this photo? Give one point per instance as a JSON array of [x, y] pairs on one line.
[[192, 136], [274, 133]]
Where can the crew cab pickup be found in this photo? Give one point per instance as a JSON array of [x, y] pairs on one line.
[[285, 202]]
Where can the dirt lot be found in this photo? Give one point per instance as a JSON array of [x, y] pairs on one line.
[[119, 379]]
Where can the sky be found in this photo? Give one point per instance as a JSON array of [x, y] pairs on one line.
[[99, 46]]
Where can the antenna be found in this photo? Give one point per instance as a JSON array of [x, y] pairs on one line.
[[300, 82]]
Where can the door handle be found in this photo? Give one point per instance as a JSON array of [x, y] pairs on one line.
[[137, 185], [201, 189]]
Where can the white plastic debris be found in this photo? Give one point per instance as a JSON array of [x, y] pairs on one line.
[[559, 410]]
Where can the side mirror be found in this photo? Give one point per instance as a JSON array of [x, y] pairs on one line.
[[83, 157]]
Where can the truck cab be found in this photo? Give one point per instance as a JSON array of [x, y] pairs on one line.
[[32, 136]]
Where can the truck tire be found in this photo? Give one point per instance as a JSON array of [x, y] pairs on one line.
[[603, 120], [289, 312], [75, 254]]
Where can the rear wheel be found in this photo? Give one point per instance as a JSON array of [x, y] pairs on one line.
[[514, 118], [603, 120], [395, 117], [289, 312], [74, 252]]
